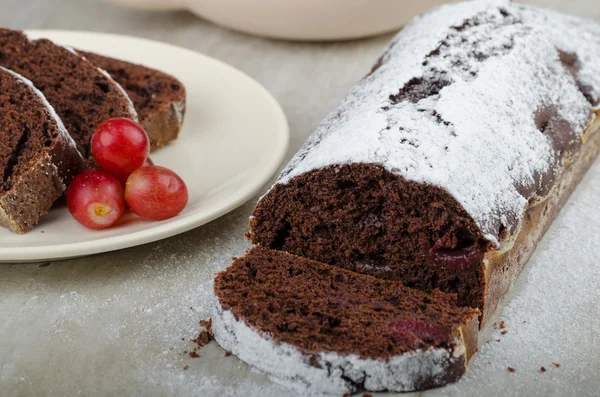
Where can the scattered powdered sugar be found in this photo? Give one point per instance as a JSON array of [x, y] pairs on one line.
[[552, 317], [121, 323], [578, 36], [453, 104], [335, 373]]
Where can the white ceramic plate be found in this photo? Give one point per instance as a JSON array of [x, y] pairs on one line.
[[234, 138]]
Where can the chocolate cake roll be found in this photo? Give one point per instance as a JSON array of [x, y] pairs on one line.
[[38, 158], [324, 329], [446, 164]]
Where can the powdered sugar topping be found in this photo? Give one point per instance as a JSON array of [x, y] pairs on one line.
[[453, 103], [335, 373]]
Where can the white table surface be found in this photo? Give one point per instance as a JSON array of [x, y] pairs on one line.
[[119, 323]]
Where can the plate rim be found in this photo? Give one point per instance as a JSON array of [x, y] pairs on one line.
[[54, 252]]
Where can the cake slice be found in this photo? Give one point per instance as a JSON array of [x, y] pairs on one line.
[[82, 95], [158, 97], [38, 158], [325, 329]]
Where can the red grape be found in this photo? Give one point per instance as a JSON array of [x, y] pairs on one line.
[[95, 199], [121, 177], [120, 145], [156, 193]]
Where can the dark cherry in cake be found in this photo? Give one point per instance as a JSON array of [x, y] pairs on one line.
[[344, 329], [38, 158], [82, 95], [382, 225], [159, 98]]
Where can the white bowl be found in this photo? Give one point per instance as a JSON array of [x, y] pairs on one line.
[[300, 19]]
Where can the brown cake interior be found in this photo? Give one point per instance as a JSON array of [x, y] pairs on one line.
[[37, 160], [80, 94], [152, 92], [318, 308], [25, 132], [149, 89], [363, 218]]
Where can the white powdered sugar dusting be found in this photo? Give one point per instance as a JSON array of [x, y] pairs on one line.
[[491, 65], [335, 373], [179, 109]]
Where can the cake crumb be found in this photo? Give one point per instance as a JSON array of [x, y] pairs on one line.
[[207, 324], [557, 365], [185, 367], [504, 332], [227, 354], [524, 322], [193, 354], [497, 340], [510, 369], [542, 369], [205, 335], [367, 395], [346, 395], [502, 325]]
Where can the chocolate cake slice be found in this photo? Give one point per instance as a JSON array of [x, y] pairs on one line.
[[158, 97], [444, 167], [82, 95], [325, 329], [38, 158]]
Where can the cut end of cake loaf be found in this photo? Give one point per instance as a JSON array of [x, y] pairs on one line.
[[37, 156], [444, 166], [82, 95], [321, 328], [158, 97], [364, 218]]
